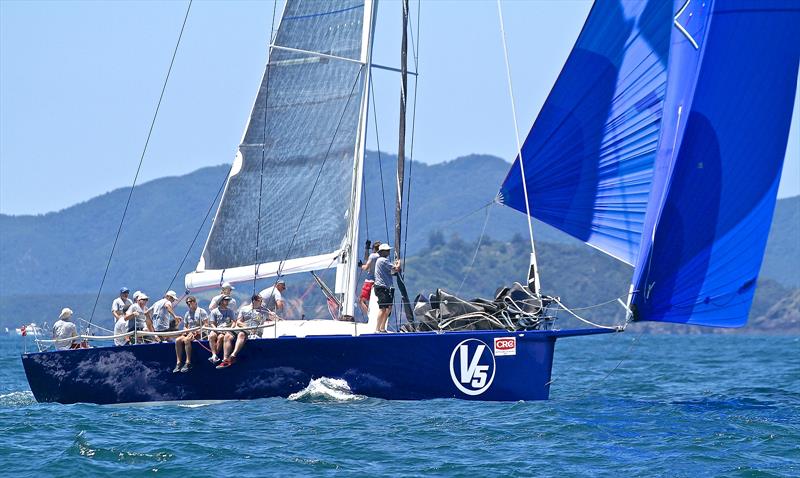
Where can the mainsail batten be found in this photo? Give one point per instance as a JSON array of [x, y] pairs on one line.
[[733, 72], [589, 156], [295, 160]]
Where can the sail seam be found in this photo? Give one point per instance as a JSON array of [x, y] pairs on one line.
[[319, 173]]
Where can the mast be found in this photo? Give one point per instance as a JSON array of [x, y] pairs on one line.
[[346, 273], [401, 147]]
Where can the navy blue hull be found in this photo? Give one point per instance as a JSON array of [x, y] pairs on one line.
[[477, 365]]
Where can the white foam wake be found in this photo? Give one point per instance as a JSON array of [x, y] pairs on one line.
[[326, 390], [17, 399]]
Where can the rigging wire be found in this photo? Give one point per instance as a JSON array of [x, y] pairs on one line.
[[200, 229], [364, 197], [519, 150], [263, 149], [587, 321], [625, 357], [464, 216], [477, 248], [380, 159], [141, 160]]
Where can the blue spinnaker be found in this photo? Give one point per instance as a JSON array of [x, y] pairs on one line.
[[732, 79], [589, 156]]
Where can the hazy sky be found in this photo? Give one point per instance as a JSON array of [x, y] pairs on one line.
[[79, 82]]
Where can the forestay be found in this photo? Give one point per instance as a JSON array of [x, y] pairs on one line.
[[589, 155], [732, 80], [298, 149]]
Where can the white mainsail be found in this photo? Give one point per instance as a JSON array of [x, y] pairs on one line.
[[291, 201]]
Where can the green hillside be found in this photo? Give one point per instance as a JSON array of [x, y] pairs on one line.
[[581, 276], [59, 258], [782, 257]]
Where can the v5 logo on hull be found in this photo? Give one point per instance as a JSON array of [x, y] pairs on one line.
[[472, 366]]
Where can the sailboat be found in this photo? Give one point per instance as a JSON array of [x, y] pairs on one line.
[[661, 144]]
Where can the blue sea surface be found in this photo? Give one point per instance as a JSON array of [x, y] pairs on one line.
[[621, 405]]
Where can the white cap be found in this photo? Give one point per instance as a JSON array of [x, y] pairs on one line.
[[227, 285], [66, 313], [171, 294], [142, 295], [136, 295], [385, 247]]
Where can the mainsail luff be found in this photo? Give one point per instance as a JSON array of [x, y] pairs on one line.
[[314, 83]]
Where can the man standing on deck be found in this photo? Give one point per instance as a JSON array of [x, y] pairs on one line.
[[273, 297], [383, 285], [164, 316], [369, 268], [119, 304], [221, 316], [139, 317], [227, 290]]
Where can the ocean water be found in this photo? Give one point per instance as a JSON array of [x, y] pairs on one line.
[[621, 405]]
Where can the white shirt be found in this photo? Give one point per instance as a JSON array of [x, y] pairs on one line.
[[139, 316], [118, 306], [64, 329], [194, 319], [120, 327], [252, 317], [161, 315], [215, 303], [271, 296]]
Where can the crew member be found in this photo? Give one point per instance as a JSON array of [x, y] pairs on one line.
[[194, 317], [221, 316], [369, 268], [273, 297], [64, 329], [121, 328], [139, 317], [383, 285], [120, 303], [164, 316], [225, 291], [250, 315]]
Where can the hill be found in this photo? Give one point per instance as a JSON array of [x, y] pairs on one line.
[[782, 257], [64, 253], [581, 276], [67, 250]]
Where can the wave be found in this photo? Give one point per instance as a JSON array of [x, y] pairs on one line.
[[17, 399], [326, 390]]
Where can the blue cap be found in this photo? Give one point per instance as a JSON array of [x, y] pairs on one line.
[[124, 290]]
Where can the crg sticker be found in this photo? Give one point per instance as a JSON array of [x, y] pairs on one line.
[[472, 366], [505, 346]]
